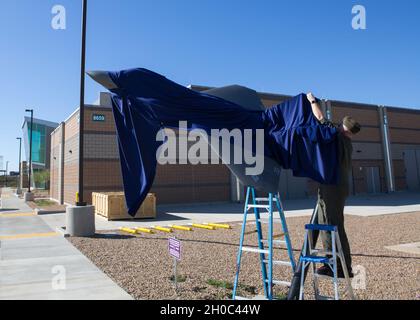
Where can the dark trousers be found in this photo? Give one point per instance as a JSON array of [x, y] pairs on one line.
[[331, 200]]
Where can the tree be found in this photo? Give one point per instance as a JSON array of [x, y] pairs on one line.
[[42, 178]]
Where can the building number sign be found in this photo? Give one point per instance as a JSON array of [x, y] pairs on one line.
[[98, 117]]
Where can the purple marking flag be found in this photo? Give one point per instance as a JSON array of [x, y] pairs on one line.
[[174, 247]]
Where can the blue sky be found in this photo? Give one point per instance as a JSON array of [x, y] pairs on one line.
[[274, 46]]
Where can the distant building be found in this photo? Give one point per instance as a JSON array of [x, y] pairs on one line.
[[386, 157], [41, 144]]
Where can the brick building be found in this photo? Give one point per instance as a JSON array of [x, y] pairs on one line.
[[386, 157]]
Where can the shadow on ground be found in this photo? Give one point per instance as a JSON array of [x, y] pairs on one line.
[[8, 209]]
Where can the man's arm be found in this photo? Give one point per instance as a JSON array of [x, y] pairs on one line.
[[316, 108]]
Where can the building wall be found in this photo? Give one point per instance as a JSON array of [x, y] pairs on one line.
[[57, 163], [101, 164], [404, 127], [71, 156]]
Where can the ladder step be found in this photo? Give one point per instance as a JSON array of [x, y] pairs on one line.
[[315, 259], [280, 263], [249, 249], [275, 241], [281, 283], [241, 298], [265, 199], [275, 221], [262, 206]]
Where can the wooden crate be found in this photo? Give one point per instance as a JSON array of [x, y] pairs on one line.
[[111, 205]]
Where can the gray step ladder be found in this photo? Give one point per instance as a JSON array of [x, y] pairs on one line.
[[265, 246]]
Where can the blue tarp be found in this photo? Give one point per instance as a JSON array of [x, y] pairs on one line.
[[145, 102]]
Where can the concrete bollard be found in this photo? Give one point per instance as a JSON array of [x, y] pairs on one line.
[[80, 221], [29, 196]]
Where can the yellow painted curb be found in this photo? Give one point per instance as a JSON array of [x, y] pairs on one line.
[[145, 230], [203, 226], [181, 228], [29, 235], [217, 225], [128, 230], [14, 215], [167, 230]]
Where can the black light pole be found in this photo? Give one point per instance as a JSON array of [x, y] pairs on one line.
[[80, 201], [80, 219], [20, 159], [30, 149]]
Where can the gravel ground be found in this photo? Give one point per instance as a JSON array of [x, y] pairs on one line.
[[141, 264]]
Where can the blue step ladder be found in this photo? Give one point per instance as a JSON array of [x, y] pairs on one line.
[[313, 256], [265, 246]]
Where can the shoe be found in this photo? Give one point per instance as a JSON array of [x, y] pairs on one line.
[[326, 271]]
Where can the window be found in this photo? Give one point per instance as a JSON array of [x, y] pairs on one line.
[[38, 142]]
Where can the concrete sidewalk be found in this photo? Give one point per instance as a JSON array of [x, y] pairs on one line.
[[38, 263]]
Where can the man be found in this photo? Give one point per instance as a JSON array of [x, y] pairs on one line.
[[331, 198]]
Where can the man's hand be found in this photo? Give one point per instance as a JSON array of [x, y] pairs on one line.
[[311, 97], [316, 108]]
